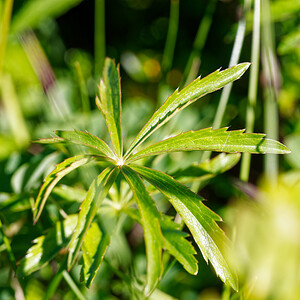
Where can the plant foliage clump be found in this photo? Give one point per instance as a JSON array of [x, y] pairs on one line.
[[79, 232]]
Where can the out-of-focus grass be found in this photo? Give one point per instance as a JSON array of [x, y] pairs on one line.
[[266, 232]]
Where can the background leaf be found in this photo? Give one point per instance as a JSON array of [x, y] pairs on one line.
[[110, 103], [181, 99], [215, 140], [47, 246], [208, 169], [200, 220], [52, 179]]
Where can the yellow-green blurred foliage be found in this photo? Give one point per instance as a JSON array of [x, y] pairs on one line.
[[267, 241]]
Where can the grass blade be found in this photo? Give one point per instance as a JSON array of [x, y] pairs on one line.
[[151, 225], [219, 140], [52, 179], [200, 220], [99, 36], [4, 27], [181, 99], [88, 209], [192, 67], [253, 85], [110, 103], [169, 50]]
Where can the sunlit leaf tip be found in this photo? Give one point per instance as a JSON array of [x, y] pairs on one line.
[[109, 103], [181, 99]]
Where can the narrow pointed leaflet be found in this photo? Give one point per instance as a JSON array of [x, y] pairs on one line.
[[181, 99], [110, 104], [200, 220], [80, 138], [151, 225], [54, 177], [88, 209], [219, 140]]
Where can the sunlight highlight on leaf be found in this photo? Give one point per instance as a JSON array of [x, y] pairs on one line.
[[214, 140], [200, 220], [181, 99], [54, 177], [110, 103], [94, 247]]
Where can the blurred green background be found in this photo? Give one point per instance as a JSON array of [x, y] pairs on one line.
[[51, 57]]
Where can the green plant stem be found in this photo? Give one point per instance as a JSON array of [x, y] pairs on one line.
[[14, 112], [253, 82], [193, 64], [168, 54], [270, 97], [121, 275], [56, 280], [234, 59], [73, 285], [86, 107], [99, 37], [226, 292], [4, 29], [11, 256], [169, 50]]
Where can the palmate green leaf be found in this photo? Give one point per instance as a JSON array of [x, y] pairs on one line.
[[94, 247], [47, 246], [208, 169], [200, 220], [181, 99], [80, 138], [110, 103], [150, 220], [56, 175], [174, 241], [214, 140], [88, 209]]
